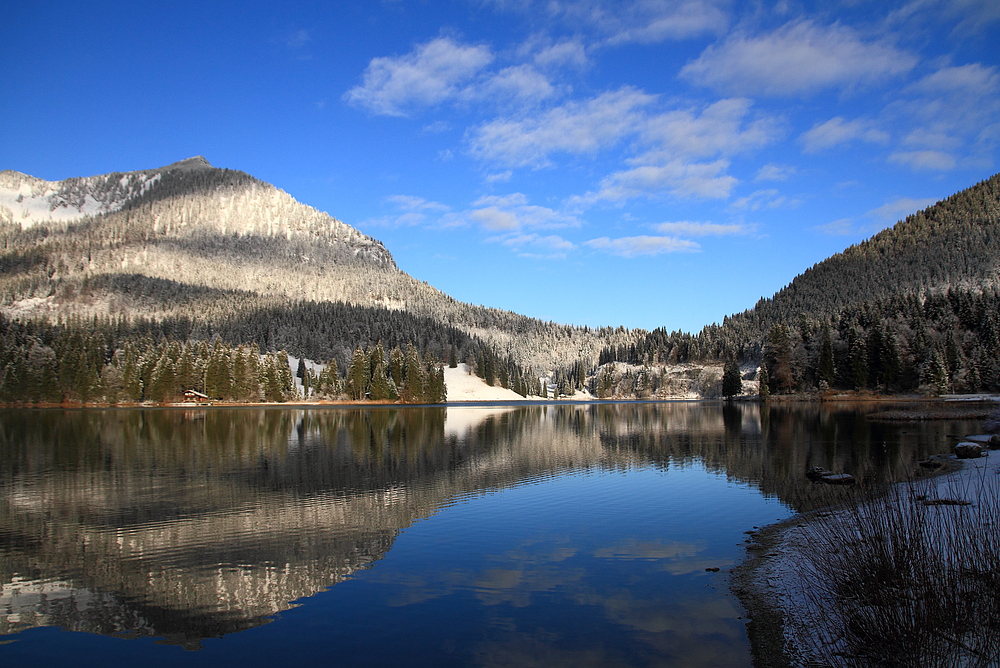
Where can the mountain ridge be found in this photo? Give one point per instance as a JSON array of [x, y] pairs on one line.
[[211, 228]]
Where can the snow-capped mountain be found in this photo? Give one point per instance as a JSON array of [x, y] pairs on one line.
[[25, 200], [112, 244]]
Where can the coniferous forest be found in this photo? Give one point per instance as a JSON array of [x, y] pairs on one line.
[[194, 278]]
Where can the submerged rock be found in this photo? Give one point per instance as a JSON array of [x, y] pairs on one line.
[[838, 479], [820, 474], [968, 450], [932, 464], [816, 473]]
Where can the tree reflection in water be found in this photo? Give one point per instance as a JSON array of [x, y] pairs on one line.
[[193, 524]]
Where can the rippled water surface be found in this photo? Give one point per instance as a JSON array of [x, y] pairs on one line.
[[574, 535]]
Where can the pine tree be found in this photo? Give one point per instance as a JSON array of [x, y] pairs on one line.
[[163, 379], [826, 372], [413, 381], [397, 365], [936, 373], [732, 382], [358, 375], [763, 391], [219, 372], [778, 357], [382, 387], [376, 358], [283, 372], [132, 375], [859, 362]]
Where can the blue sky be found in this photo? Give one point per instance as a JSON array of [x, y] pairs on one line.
[[641, 163]]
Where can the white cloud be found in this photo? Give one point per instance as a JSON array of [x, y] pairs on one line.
[[521, 83], [551, 241], [550, 247], [760, 199], [900, 208], [512, 213], [973, 16], [495, 219], [959, 80], [693, 229], [720, 129], [570, 52], [514, 199], [433, 73], [410, 203], [408, 219], [954, 112], [574, 127], [647, 21], [499, 177], [621, 21], [437, 127], [298, 39], [642, 21], [682, 179], [924, 160], [799, 57], [773, 172], [884, 216], [674, 146], [838, 228], [837, 131], [642, 245]]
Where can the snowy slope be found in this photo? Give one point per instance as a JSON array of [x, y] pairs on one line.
[[464, 386], [27, 201]]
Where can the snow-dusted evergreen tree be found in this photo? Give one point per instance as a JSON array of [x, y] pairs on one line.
[[359, 374], [382, 386], [732, 381], [413, 378]]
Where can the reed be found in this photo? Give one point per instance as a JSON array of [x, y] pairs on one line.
[[911, 578]]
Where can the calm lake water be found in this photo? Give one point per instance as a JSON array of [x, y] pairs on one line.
[[574, 535]]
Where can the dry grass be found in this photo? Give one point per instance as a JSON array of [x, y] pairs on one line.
[[908, 580]]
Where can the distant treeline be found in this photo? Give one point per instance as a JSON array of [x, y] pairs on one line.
[[915, 306], [940, 343], [115, 361], [935, 343]]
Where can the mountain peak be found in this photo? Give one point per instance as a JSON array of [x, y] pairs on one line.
[[188, 164]]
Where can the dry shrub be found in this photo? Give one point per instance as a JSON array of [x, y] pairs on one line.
[[901, 582]]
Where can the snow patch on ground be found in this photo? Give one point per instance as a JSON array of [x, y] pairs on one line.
[[30, 307], [464, 386]]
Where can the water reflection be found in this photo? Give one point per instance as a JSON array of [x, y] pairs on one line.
[[188, 525]]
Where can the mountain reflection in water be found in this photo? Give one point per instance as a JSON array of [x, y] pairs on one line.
[[187, 525]]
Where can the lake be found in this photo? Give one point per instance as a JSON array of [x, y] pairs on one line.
[[499, 535]]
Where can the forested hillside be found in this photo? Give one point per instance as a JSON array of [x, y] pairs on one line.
[[952, 244], [185, 256], [226, 252], [916, 306]]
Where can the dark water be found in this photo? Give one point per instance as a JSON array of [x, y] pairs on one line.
[[573, 535]]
